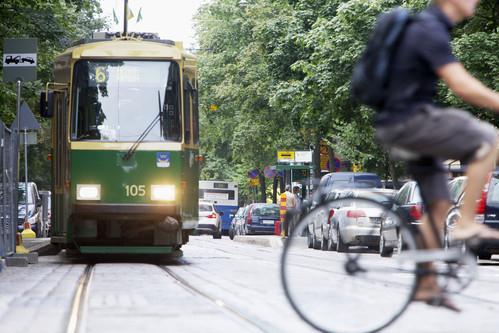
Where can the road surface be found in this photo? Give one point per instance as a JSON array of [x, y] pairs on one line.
[[217, 286]]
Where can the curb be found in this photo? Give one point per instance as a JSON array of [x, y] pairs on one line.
[[275, 242], [41, 247]]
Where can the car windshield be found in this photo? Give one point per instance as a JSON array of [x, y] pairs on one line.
[[118, 100], [341, 183], [268, 211], [205, 208], [21, 195], [367, 181]]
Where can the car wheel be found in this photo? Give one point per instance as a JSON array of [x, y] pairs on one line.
[[217, 235], [484, 256], [330, 242], [324, 243], [310, 240], [400, 243], [317, 244], [340, 245], [231, 234], [384, 251]]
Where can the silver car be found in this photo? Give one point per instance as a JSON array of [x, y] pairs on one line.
[[210, 221], [323, 231], [357, 223]]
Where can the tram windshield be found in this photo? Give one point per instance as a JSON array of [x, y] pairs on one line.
[[117, 100]]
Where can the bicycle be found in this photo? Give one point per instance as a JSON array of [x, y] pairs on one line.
[[348, 294]]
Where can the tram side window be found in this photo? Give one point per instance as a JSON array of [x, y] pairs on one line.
[[187, 110], [195, 114], [172, 123]]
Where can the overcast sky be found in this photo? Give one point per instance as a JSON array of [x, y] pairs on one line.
[[172, 19]]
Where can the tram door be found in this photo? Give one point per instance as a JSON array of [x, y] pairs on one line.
[[60, 165]]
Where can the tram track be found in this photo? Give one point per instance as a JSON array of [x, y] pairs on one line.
[[78, 306], [218, 302]]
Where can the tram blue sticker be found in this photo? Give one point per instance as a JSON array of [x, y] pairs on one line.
[[163, 159]]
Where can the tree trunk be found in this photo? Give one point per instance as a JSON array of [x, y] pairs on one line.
[[316, 157], [330, 153], [274, 189], [263, 188], [393, 173]]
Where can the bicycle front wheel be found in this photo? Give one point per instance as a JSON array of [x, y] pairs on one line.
[[357, 292]]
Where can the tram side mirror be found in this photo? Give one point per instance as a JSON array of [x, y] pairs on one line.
[[47, 104]]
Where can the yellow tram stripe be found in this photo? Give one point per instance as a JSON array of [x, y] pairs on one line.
[[92, 145]]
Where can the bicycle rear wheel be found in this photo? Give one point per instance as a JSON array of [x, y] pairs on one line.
[[352, 293]]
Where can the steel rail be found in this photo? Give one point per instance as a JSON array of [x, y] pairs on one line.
[[80, 301], [219, 303]]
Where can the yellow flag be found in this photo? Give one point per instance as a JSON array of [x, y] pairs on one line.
[[129, 15]]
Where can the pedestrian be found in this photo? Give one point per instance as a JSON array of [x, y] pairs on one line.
[[298, 198], [290, 206], [294, 214]]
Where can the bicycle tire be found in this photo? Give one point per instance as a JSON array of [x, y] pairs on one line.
[[304, 307]]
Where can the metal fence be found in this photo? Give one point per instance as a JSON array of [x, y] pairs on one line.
[[8, 190]]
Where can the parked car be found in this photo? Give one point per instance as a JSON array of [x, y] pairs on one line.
[[408, 203], [357, 223], [487, 212], [210, 220], [34, 204], [320, 230], [260, 218], [236, 223]]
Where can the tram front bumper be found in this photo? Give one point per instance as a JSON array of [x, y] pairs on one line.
[[125, 211]]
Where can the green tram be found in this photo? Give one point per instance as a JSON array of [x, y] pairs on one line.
[[125, 145]]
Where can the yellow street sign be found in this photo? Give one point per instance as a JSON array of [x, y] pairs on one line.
[[356, 167], [255, 181], [285, 156], [213, 107]]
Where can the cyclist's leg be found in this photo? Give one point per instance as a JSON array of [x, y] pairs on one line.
[[432, 181]]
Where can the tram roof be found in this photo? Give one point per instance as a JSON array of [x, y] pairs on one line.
[[128, 48]]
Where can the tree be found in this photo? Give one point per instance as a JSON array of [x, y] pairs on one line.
[[56, 24]]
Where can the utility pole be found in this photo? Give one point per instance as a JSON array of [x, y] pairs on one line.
[[125, 19]]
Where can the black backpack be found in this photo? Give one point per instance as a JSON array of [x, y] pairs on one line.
[[371, 73]]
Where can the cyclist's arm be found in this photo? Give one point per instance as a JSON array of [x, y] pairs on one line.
[[467, 87]]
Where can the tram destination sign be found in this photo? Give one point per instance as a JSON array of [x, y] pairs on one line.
[[19, 59]]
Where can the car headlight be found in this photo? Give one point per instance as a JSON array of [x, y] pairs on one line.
[[88, 192], [163, 192]]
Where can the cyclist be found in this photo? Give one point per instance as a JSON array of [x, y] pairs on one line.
[[411, 122]]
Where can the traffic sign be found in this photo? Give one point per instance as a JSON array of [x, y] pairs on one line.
[[27, 119], [303, 156], [255, 182], [285, 156], [19, 59]]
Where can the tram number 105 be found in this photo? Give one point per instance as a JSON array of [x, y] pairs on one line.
[[135, 190]]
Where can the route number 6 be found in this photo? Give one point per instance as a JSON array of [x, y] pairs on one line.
[[100, 75], [135, 190]]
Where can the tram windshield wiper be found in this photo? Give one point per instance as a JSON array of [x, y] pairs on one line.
[[144, 134]]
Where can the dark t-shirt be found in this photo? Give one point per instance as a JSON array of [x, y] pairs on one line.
[[424, 48]]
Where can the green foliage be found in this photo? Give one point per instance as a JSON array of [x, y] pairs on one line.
[[280, 70], [56, 24]]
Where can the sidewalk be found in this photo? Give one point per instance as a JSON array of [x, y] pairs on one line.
[[275, 242]]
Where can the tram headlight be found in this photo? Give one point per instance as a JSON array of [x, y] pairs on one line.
[[88, 192], [163, 192]]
